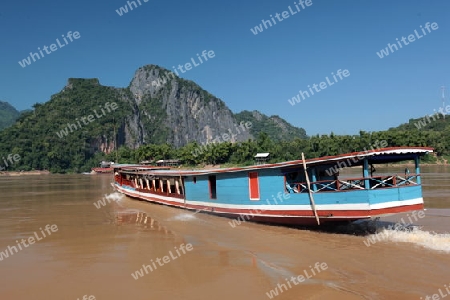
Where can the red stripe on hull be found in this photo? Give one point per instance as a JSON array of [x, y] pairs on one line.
[[307, 221], [396, 210]]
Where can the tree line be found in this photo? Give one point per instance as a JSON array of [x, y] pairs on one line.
[[243, 153]]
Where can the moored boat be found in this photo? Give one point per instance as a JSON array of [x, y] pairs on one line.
[[300, 192], [105, 168]]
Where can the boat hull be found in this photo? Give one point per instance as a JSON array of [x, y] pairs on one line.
[[103, 170], [289, 215]]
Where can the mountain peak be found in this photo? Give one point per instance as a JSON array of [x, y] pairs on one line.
[[71, 82]]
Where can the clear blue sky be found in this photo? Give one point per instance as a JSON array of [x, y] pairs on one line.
[[249, 72]]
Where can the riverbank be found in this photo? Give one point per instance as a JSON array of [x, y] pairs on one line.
[[23, 173]]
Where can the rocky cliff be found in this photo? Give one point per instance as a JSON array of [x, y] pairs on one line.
[[177, 111]]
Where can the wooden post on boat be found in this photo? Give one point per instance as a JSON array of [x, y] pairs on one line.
[[182, 190], [309, 190], [177, 187], [169, 188]]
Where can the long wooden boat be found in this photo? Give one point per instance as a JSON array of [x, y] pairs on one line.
[[282, 193], [102, 170], [105, 168]]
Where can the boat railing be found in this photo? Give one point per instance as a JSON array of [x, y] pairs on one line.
[[347, 184], [393, 181], [144, 185], [350, 184]]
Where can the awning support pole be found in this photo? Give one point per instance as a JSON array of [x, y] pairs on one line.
[[313, 205]]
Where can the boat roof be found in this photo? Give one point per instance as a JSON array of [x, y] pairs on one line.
[[115, 166], [374, 156]]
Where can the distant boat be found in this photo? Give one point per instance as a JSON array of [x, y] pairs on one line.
[[300, 192], [105, 167]]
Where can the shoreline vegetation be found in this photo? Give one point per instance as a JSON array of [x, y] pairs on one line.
[[219, 166], [21, 173]]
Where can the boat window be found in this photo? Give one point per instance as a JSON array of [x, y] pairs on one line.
[[212, 187], [327, 172], [293, 181], [195, 179]]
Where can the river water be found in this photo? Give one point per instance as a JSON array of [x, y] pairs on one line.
[[94, 252]]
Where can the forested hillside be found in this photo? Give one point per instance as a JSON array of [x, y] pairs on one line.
[[86, 121], [8, 115], [275, 127], [37, 137], [430, 130]]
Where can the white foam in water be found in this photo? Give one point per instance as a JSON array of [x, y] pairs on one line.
[[184, 217], [426, 239], [115, 196]]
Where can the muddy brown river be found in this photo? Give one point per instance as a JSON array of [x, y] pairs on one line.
[[55, 243]]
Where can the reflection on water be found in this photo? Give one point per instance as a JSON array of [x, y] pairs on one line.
[[133, 217]]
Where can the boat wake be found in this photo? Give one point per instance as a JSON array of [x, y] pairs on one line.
[[115, 196], [190, 216], [184, 217], [417, 236], [381, 231]]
